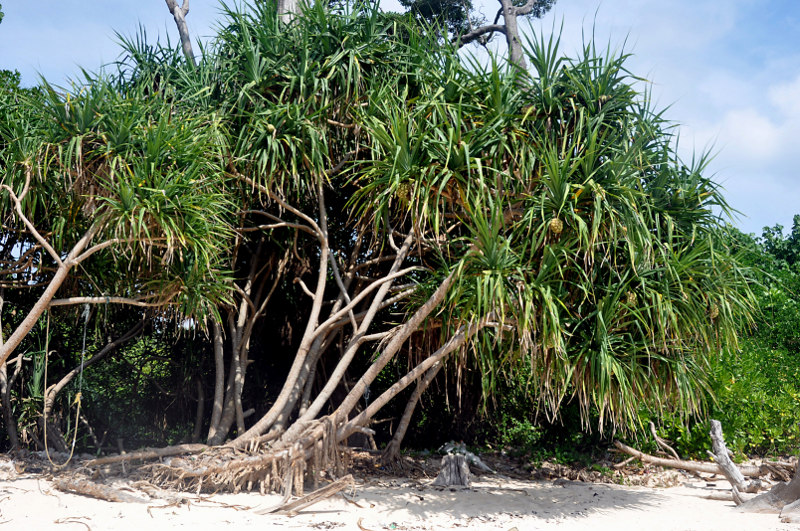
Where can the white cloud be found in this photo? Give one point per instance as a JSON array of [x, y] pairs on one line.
[[786, 98], [746, 133]]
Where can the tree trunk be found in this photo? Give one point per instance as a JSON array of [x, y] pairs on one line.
[[219, 384], [515, 55], [200, 411], [455, 342], [392, 450], [455, 471], [5, 403], [5, 389], [729, 469], [783, 498], [304, 359], [179, 14], [288, 10], [73, 258], [335, 378]]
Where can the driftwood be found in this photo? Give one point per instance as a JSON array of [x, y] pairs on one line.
[[95, 490], [455, 471], [311, 498], [729, 468], [663, 443], [783, 498], [699, 466], [150, 453]]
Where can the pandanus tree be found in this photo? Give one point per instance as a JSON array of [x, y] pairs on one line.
[[437, 209], [406, 203], [107, 198]]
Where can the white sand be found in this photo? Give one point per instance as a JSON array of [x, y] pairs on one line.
[[29, 502]]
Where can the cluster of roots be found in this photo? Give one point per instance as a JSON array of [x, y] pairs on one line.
[[280, 467]]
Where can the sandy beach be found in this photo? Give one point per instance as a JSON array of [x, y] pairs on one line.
[[31, 502]]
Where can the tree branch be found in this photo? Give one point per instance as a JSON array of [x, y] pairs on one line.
[[140, 302], [479, 32], [18, 209], [179, 14]]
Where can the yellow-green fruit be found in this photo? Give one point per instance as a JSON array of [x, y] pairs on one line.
[[631, 298], [404, 193], [556, 226]]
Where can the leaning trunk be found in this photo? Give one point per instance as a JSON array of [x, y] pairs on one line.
[[392, 450]]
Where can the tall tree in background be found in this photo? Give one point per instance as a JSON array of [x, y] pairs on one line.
[[179, 14], [460, 19]]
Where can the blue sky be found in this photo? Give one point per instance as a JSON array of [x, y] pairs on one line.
[[730, 71]]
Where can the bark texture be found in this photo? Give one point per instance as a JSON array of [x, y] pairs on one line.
[[455, 471], [729, 468], [783, 498], [179, 14]]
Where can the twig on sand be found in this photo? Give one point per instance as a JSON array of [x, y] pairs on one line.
[[361, 527], [73, 520]]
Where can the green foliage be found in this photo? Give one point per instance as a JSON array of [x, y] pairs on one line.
[[455, 15], [757, 401], [590, 253], [756, 388], [144, 394]]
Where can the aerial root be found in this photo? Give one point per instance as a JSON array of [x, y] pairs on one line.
[[282, 467]]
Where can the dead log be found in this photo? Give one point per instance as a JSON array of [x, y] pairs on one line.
[[150, 453], [782, 498], [790, 514], [95, 490], [729, 468], [455, 471], [692, 466], [311, 498]]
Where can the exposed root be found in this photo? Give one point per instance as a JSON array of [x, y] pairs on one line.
[[282, 467]]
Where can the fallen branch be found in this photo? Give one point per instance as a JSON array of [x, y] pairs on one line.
[[150, 453], [95, 490], [311, 498], [692, 466], [663, 443]]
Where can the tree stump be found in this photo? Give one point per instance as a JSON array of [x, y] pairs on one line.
[[455, 471]]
